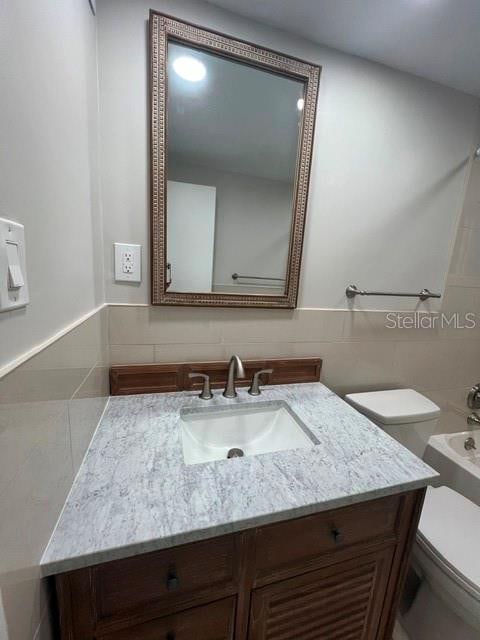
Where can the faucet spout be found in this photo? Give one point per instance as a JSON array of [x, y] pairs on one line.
[[235, 370]]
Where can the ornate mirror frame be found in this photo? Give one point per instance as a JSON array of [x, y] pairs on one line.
[[162, 30]]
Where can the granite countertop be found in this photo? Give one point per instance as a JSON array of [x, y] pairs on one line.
[[135, 494]]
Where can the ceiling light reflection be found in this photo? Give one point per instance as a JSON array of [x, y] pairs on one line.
[[189, 68]]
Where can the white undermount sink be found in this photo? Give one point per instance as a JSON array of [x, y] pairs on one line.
[[260, 427]]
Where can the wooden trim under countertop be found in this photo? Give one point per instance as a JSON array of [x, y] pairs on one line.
[[128, 379]]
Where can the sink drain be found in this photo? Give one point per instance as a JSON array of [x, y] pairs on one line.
[[235, 453]]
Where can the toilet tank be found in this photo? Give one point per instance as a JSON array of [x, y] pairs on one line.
[[404, 414]]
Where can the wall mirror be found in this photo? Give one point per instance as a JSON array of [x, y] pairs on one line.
[[232, 135]]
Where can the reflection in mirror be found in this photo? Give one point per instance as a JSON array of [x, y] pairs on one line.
[[232, 140]]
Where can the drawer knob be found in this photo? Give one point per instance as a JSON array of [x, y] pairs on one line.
[[172, 581], [337, 535], [170, 635]]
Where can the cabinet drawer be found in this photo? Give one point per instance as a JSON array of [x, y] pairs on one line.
[[164, 579], [299, 542], [211, 622]]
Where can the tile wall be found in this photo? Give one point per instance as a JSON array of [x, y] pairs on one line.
[[49, 409]]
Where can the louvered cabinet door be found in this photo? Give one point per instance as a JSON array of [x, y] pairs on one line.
[[340, 602]]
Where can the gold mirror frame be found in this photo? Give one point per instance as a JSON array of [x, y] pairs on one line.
[[162, 30]]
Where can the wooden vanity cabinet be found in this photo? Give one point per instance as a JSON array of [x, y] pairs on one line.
[[339, 601], [213, 621], [335, 575]]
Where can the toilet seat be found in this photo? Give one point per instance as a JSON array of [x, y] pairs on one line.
[[447, 550]]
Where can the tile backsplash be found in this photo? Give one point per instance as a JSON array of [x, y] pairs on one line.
[[359, 351], [49, 409]]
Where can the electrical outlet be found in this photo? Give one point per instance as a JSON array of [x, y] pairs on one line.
[[128, 262]]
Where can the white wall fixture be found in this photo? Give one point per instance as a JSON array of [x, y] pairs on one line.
[[128, 262], [13, 274]]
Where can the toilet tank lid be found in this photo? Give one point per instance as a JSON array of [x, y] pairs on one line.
[[396, 406], [449, 527]]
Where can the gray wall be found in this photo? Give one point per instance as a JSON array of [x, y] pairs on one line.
[[48, 163], [389, 167], [49, 181]]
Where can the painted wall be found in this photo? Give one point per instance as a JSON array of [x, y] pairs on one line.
[[389, 165], [49, 179], [252, 223]]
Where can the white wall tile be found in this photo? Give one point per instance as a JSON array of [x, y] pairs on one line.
[[190, 352], [132, 353], [49, 408], [163, 325], [85, 410], [440, 364]]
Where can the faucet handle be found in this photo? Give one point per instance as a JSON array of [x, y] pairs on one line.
[[473, 420], [206, 394], [255, 386]]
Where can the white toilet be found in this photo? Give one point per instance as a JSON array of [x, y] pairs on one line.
[[446, 555]]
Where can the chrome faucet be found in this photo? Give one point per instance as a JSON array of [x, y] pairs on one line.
[[473, 420], [469, 444], [255, 386], [235, 369]]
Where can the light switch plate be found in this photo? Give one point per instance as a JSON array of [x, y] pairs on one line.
[[13, 272], [128, 262]]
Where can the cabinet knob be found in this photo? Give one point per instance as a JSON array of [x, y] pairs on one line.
[[337, 535], [172, 580]]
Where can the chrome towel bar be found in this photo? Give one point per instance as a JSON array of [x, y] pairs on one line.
[[236, 276], [352, 290]]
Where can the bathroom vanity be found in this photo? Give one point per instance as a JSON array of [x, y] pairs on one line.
[[334, 574], [306, 543]]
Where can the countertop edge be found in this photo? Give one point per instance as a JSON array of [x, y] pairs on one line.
[[57, 567]]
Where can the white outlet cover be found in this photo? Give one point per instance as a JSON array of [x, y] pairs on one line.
[[128, 262], [12, 234]]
